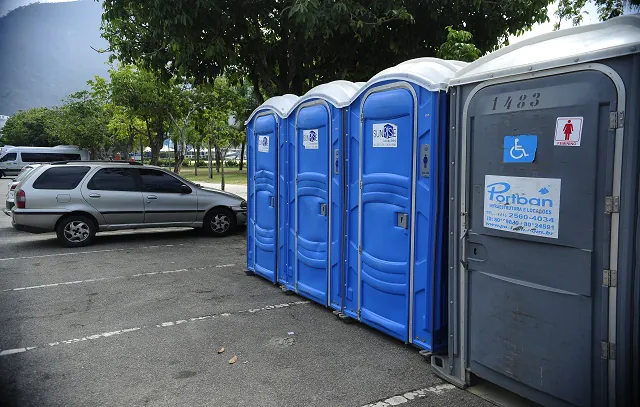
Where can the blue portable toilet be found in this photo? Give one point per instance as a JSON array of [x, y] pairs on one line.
[[266, 171], [396, 202], [543, 253], [316, 126]]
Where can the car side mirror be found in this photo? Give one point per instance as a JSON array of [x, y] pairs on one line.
[[185, 189]]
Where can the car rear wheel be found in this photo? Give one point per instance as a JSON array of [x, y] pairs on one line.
[[219, 222], [76, 231]]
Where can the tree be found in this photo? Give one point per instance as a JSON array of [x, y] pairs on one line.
[[458, 46], [573, 9], [289, 46], [84, 121], [145, 96], [33, 127]]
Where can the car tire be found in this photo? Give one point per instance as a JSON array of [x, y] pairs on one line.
[[76, 231], [1, 174], [219, 222]]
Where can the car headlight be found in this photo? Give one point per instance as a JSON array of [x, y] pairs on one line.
[[243, 204]]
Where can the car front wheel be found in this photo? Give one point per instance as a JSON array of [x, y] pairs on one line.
[[76, 231], [219, 222]]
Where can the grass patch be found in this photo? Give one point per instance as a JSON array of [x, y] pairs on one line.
[[231, 175]]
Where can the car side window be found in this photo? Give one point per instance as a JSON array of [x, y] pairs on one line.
[[114, 179], [62, 178], [160, 182], [9, 157]]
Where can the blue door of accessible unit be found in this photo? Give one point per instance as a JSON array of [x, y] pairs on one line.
[[312, 203], [265, 195], [386, 167]]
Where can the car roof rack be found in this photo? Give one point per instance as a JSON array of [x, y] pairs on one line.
[[95, 161]]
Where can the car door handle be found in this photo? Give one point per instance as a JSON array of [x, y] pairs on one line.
[[152, 197], [94, 195]]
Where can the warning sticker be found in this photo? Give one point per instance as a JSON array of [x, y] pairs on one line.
[[568, 131], [310, 139], [530, 206], [263, 144], [385, 135]]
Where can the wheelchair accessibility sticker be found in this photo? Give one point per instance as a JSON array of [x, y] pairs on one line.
[[529, 206], [520, 149]]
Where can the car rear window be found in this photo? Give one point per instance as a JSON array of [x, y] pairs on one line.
[[61, 178]]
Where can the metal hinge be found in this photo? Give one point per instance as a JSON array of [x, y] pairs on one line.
[[609, 278], [608, 351], [611, 204], [361, 118], [296, 180], [360, 183], [359, 249], [616, 120]]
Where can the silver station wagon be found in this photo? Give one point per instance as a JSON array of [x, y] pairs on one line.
[[77, 199]]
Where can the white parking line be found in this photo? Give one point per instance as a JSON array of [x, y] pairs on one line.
[[411, 395], [100, 279], [7, 352], [74, 253]]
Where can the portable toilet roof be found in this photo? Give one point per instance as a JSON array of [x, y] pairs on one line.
[[279, 104], [431, 73], [338, 93], [615, 37]]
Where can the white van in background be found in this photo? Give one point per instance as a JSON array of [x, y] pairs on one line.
[[13, 159]]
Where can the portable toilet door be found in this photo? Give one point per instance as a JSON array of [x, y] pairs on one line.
[[396, 180], [266, 142], [545, 145], [315, 202]]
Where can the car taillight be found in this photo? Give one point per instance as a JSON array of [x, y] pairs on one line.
[[21, 199]]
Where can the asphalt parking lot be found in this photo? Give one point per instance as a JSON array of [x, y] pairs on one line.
[[138, 319]]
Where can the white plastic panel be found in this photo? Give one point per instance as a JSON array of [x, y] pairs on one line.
[[612, 38], [279, 104]]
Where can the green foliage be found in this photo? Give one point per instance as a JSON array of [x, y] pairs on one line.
[[458, 46], [33, 127], [289, 46], [83, 121], [573, 9], [145, 102], [232, 163]]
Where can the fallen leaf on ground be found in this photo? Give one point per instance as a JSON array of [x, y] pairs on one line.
[[233, 360], [221, 350]]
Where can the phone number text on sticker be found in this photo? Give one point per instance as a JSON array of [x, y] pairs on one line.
[[529, 206]]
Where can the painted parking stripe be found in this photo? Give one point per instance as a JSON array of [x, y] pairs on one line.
[[101, 279], [161, 325], [76, 253], [409, 396]]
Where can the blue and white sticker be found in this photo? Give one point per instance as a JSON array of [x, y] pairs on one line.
[[310, 139], [529, 206], [520, 149], [263, 144], [385, 135]]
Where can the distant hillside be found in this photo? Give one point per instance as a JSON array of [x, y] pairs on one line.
[[45, 53]]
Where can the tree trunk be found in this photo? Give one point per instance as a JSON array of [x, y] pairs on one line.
[[178, 165], [210, 162], [141, 152], [217, 152], [175, 153], [195, 169], [222, 176], [156, 145], [242, 155]]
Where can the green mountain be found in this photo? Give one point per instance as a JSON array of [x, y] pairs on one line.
[[45, 53]]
